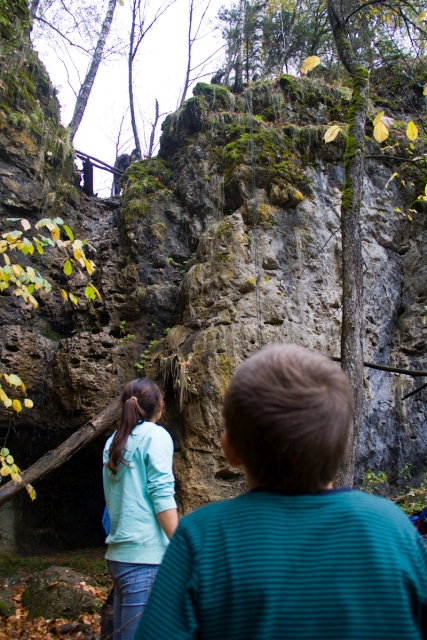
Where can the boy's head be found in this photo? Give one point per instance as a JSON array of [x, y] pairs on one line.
[[287, 412]]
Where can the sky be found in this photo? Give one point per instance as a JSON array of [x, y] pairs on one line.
[[159, 73]]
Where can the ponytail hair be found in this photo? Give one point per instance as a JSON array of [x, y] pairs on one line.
[[141, 399]]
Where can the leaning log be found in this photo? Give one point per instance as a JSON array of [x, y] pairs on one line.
[[55, 458]]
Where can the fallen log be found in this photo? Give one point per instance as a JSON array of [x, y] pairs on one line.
[[55, 458]]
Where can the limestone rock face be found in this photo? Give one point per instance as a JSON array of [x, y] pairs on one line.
[[228, 240]]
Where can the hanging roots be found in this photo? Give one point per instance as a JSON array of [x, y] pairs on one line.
[[175, 369]]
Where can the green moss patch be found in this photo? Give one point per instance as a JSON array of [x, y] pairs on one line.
[[217, 98]]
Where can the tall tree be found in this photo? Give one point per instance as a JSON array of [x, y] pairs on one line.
[[238, 80], [288, 32], [150, 150], [140, 26], [86, 87], [195, 29], [352, 281], [260, 7]]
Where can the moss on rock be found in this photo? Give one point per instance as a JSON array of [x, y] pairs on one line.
[[57, 592], [14, 19], [217, 98]]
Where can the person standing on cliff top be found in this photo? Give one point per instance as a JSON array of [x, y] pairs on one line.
[[122, 163]]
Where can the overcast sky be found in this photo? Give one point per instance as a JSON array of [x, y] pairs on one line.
[[159, 73]]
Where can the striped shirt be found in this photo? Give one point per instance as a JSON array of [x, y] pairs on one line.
[[338, 565]]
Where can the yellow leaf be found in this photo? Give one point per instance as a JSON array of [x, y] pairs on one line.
[[17, 270], [6, 258], [38, 245], [309, 64], [89, 293], [88, 266], [422, 16], [68, 268], [378, 118], [13, 380], [64, 294], [28, 403], [31, 491], [78, 254], [412, 131], [33, 302], [398, 210], [3, 397], [12, 236], [425, 91], [95, 289], [25, 224], [17, 405], [15, 476], [390, 179], [31, 272], [5, 469], [74, 299], [380, 132], [332, 133], [23, 388], [55, 233]]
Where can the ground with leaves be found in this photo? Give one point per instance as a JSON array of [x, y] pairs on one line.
[[16, 573]]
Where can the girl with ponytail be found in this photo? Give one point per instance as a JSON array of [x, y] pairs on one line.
[[139, 492]]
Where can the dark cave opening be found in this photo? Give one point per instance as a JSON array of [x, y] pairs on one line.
[[67, 512]]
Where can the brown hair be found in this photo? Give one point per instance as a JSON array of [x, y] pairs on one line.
[[287, 412], [140, 400]]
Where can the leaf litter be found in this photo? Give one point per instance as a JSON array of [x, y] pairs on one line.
[[19, 627]]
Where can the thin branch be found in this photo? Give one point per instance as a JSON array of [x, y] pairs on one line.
[[406, 372], [417, 390], [72, 44]]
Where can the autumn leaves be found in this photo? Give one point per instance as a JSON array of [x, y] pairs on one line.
[[25, 280]]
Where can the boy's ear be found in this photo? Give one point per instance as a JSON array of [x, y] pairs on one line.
[[231, 455]]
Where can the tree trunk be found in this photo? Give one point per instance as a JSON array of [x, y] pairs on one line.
[[87, 85], [238, 83], [34, 5], [257, 42], [54, 459], [190, 46], [153, 130], [352, 281], [130, 79]]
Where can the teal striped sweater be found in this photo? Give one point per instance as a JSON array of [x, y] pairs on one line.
[[338, 565]]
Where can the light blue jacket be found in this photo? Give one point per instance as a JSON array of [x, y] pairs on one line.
[[136, 493]]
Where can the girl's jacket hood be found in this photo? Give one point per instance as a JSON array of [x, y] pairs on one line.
[[139, 432]]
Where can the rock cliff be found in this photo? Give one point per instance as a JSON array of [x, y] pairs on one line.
[[230, 236]]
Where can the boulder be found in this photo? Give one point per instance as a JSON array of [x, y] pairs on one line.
[[59, 592]]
